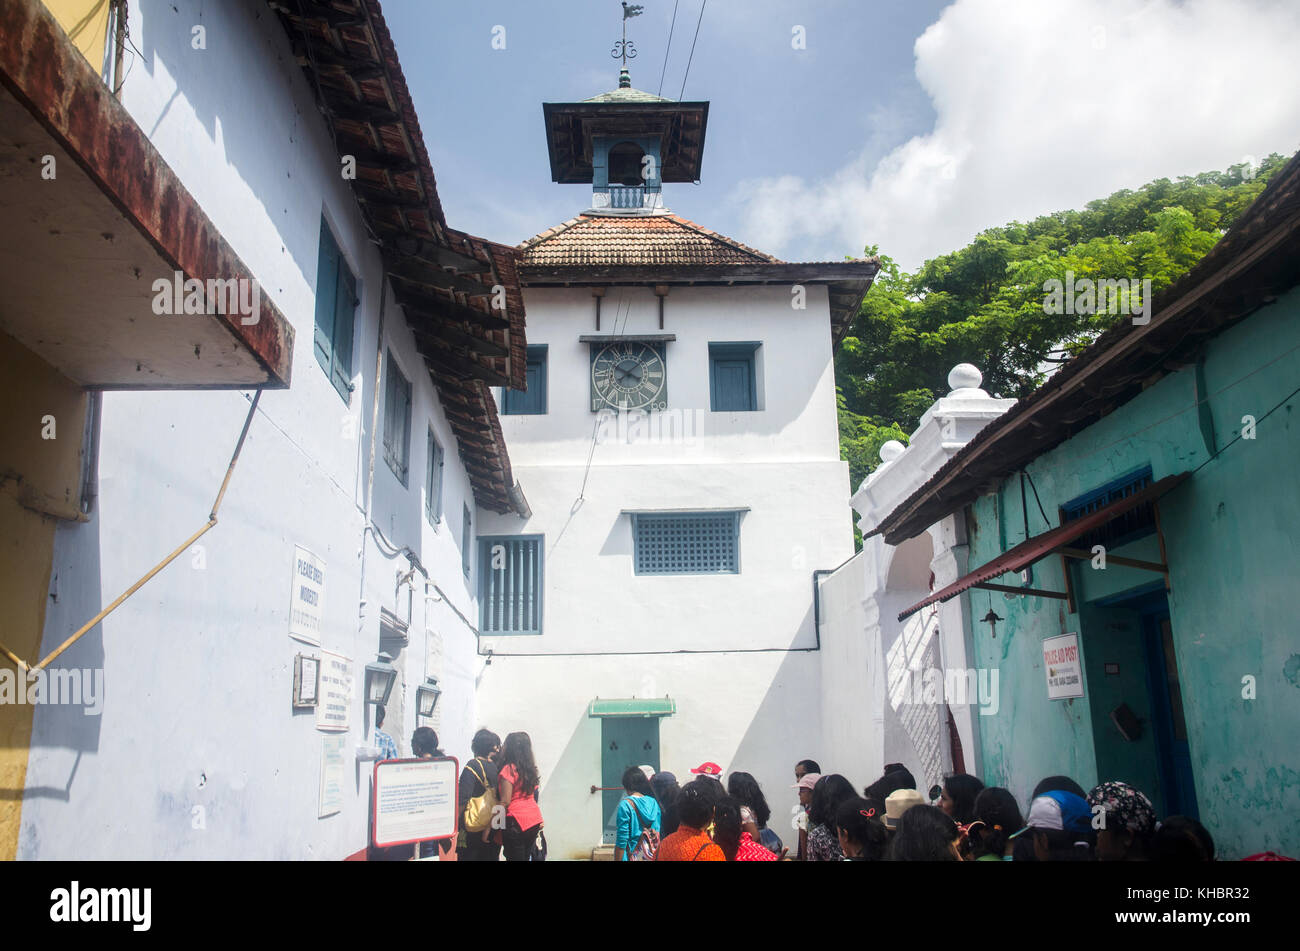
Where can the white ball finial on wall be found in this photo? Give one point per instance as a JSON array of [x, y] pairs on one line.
[[891, 450], [965, 376]]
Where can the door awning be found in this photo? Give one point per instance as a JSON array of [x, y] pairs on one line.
[[633, 707], [1051, 542]]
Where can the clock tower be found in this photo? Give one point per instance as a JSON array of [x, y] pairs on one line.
[[678, 449]]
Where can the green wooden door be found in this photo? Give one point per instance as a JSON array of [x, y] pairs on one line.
[[624, 742]]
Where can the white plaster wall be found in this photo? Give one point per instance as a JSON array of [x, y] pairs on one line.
[[759, 713], [852, 671], [797, 420], [198, 665], [750, 698]]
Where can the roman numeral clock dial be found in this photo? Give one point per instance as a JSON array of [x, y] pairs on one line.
[[628, 375]]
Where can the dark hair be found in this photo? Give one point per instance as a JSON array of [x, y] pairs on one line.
[[745, 788], [809, 766], [518, 752], [1058, 783], [484, 742], [379, 715], [666, 790], [424, 742], [896, 776], [925, 834], [726, 826], [634, 780], [866, 830], [1182, 839], [827, 796], [1062, 846], [962, 789], [695, 804], [999, 819]]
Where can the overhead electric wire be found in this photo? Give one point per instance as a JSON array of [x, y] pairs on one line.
[[692, 56], [667, 48]]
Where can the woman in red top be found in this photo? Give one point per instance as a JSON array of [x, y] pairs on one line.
[[517, 784], [730, 833]]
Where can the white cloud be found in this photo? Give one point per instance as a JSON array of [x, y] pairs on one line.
[[1043, 106]]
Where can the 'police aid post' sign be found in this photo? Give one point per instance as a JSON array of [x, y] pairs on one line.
[[1063, 667]]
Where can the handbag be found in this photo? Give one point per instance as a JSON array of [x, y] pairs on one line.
[[478, 811], [538, 853]]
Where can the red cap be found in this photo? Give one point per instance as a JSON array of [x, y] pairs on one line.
[[709, 769]]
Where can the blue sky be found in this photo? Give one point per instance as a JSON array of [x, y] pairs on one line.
[[911, 124]]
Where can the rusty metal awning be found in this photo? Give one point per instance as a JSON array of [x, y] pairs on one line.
[[93, 218], [1058, 540]]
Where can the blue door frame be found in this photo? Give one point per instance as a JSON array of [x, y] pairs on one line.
[[1168, 723]]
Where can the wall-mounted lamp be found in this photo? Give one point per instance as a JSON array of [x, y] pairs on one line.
[[380, 677], [426, 697]]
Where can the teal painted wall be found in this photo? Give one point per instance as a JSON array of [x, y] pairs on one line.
[[1230, 534]]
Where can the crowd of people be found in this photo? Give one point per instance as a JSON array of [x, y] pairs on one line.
[[705, 820]]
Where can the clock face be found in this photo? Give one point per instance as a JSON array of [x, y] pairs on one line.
[[629, 375]]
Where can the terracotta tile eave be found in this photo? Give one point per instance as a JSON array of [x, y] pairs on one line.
[[54, 82]]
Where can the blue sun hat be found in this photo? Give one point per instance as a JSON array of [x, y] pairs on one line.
[[1059, 809]]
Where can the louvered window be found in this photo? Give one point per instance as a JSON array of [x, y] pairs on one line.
[[336, 304], [1128, 527], [686, 543], [510, 584]]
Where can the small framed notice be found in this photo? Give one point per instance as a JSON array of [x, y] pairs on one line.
[[1063, 667], [414, 800], [306, 680], [334, 705]]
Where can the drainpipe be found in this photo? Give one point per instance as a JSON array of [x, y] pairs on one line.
[[374, 432]]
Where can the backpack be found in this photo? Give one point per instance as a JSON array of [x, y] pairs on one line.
[[478, 811], [647, 844]]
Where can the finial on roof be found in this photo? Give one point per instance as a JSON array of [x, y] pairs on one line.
[[625, 48]]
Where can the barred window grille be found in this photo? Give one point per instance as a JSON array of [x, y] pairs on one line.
[[689, 543], [1127, 527], [510, 584]]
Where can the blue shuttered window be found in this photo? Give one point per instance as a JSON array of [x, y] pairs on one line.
[[733, 380], [397, 421], [336, 304], [530, 402], [433, 481], [510, 584], [686, 543]]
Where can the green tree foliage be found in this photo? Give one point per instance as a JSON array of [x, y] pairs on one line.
[[984, 304]]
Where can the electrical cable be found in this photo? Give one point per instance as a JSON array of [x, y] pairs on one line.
[[667, 48], [692, 56]]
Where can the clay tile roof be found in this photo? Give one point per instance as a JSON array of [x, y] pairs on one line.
[[635, 241]]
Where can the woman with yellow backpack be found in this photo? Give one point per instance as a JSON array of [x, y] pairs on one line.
[[478, 800]]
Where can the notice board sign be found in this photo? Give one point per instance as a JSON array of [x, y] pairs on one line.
[[1063, 667], [414, 800], [308, 595], [334, 708]]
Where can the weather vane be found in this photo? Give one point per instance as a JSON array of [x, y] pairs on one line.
[[625, 48]]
